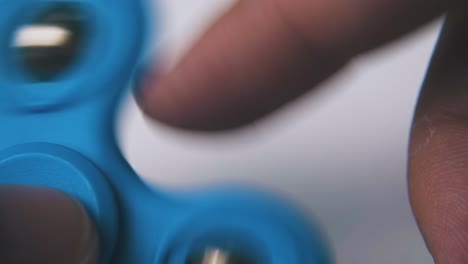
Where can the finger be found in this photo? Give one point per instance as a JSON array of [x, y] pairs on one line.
[[438, 168], [263, 54], [40, 225]]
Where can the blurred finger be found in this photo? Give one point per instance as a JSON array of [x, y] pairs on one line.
[[44, 226], [438, 166], [263, 54]]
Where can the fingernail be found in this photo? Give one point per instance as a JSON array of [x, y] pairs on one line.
[[42, 225]]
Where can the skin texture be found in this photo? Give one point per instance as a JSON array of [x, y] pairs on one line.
[[438, 155], [263, 54], [258, 57]]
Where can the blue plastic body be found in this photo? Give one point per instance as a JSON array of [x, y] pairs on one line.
[[60, 134]]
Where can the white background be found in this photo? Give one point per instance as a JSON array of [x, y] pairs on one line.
[[340, 153]]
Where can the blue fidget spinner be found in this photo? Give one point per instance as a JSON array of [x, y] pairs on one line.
[[64, 68]]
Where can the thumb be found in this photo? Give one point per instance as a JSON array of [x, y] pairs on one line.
[[44, 226]]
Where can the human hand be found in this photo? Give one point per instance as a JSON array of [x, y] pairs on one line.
[[264, 54]]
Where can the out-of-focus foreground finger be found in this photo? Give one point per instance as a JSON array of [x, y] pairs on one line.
[[438, 169], [263, 53], [44, 226]]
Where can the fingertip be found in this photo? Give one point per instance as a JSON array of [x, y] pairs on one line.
[[437, 167], [41, 225], [248, 64], [261, 55], [165, 109]]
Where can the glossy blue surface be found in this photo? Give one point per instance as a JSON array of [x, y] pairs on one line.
[[61, 134]]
